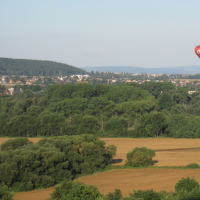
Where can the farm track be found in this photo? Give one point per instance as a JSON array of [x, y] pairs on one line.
[[178, 149]]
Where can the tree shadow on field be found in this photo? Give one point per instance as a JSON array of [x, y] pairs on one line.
[[155, 161], [115, 161]]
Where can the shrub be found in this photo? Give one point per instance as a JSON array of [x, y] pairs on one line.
[[117, 195], [185, 195], [147, 195], [186, 184], [140, 157], [193, 166], [5, 194], [75, 190]]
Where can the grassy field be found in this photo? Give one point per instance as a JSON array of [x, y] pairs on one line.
[[169, 152]]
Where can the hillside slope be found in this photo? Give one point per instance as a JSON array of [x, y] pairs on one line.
[[9, 66]]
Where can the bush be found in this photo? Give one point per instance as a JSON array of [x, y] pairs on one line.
[[117, 195], [75, 190], [185, 195], [5, 194], [147, 195], [193, 166], [186, 184], [140, 157]]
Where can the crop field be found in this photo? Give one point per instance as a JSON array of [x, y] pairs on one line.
[[169, 152], [128, 180]]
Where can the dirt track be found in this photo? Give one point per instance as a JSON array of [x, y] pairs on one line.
[[169, 152]]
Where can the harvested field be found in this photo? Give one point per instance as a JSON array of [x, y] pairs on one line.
[[169, 152], [34, 195], [138, 179]]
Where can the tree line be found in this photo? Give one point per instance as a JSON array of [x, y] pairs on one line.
[[150, 109]]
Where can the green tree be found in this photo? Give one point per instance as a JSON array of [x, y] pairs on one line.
[[5, 193], [147, 195], [140, 157], [23, 80], [16, 78], [117, 195], [7, 80], [166, 101], [75, 190], [116, 124], [153, 123], [187, 184]]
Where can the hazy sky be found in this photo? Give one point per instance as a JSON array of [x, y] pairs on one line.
[[142, 33]]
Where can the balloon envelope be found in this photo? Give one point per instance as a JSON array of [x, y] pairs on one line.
[[197, 51]]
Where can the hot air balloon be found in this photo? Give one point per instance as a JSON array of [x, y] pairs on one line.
[[197, 51]]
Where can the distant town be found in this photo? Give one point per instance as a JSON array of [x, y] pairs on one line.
[[179, 80]]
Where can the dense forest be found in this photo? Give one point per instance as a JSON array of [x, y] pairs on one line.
[[9, 66], [150, 109]]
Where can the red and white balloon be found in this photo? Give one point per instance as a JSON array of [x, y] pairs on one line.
[[197, 51]]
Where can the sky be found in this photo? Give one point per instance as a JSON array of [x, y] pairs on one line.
[[141, 33]]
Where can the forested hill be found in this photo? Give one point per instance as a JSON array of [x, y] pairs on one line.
[[9, 66]]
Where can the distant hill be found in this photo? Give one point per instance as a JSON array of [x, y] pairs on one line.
[[9, 66], [166, 70]]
